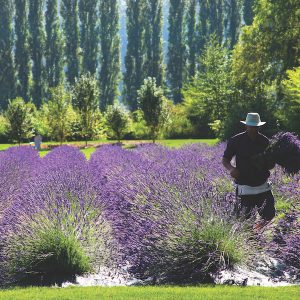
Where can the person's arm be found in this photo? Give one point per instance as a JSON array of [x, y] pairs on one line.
[[229, 153], [270, 164], [233, 171]]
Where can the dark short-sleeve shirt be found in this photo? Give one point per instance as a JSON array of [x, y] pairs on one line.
[[243, 148]]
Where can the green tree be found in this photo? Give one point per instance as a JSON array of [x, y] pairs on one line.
[[153, 41], [212, 17], [7, 68], [54, 45], [69, 12], [153, 104], [202, 28], [207, 98], [59, 113], [37, 46], [4, 126], [266, 50], [19, 115], [248, 11], [85, 96], [110, 52], [118, 120], [191, 37], [134, 59], [271, 45], [89, 37], [291, 106], [22, 52], [176, 71], [232, 22]]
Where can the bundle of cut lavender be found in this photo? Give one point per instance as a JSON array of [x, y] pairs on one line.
[[284, 150]]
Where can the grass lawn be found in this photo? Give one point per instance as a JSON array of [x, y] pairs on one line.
[[179, 143], [5, 146], [159, 293]]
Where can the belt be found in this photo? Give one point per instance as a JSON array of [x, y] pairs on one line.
[[253, 190]]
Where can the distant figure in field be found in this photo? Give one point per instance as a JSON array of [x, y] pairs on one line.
[[252, 186], [38, 141]]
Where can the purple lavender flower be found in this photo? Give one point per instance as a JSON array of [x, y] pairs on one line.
[[55, 226], [284, 149]]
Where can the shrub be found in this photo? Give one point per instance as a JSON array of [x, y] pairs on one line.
[[118, 120], [139, 129], [153, 104], [3, 129], [46, 256], [20, 117], [85, 97], [179, 126]]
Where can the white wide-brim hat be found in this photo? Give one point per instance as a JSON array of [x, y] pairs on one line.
[[253, 119]]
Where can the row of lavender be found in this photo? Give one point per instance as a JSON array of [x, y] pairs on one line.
[[167, 214]]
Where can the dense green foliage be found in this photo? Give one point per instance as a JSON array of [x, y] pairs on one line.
[[176, 70], [292, 100], [69, 12], [153, 104], [85, 99], [22, 53], [37, 45], [258, 40], [134, 60], [54, 45], [207, 97], [7, 68], [110, 52], [59, 113], [19, 117], [191, 37], [88, 34], [118, 120], [153, 41]]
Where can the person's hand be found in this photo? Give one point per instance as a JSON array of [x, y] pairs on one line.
[[234, 173]]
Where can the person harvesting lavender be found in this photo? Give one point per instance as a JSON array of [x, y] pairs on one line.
[[253, 188]]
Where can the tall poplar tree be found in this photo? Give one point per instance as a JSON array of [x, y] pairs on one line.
[[220, 20], [191, 37], [176, 49], [232, 22], [110, 52], [69, 12], [7, 68], [134, 59], [153, 41], [248, 11], [89, 34], [54, 45], [215, 18], [22, 53], [202, 27], [212, 16], [37, 45]]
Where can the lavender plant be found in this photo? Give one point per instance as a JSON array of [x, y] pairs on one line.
[[55, 227], [284, 149], [285, 245], [168, 214], [17, 165], [169, 220]]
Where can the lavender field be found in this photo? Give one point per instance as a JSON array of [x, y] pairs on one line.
[[165, 214]]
